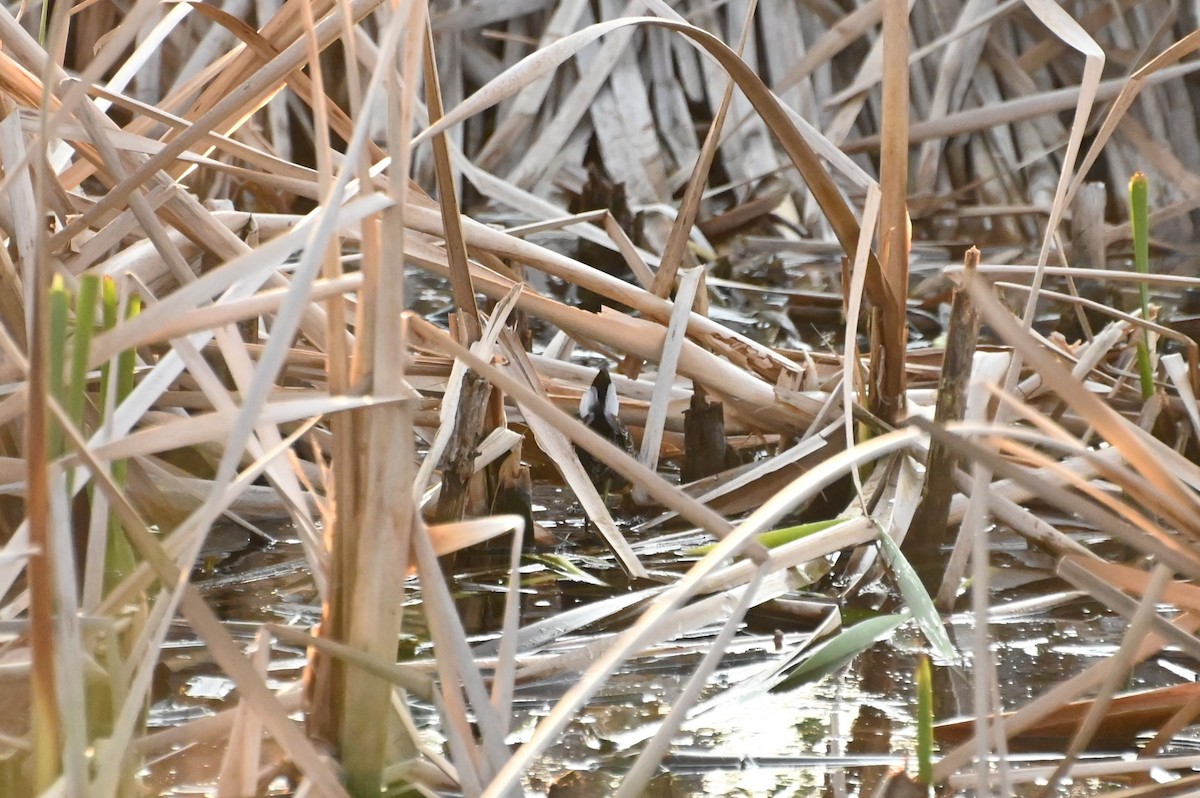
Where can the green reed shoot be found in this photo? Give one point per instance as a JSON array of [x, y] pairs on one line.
[[60, 302], [924, 721], [119, 558], [1140, 220], [69, 380], [81, 346]]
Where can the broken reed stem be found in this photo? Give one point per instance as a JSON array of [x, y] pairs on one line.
[[458, 463], [927, 530]]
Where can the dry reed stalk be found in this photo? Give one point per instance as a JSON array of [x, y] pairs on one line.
[[200, 615], [672, 343], [689, 207], [928, 528], [40, 568], [460, 276], [1106, 421], [887, 377], [380, 527]]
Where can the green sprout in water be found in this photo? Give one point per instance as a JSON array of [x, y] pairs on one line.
[[924, 721], [1140, 219]]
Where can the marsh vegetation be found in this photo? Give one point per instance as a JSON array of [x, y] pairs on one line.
[[298, 303]]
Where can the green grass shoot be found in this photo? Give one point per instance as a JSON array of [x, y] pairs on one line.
[[60, 302], [1140, 220], [924, 721], [119, 557], [776, 537]]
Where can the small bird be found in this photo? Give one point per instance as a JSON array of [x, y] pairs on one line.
[[598, 408]]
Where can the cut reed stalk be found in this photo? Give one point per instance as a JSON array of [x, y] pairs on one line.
[[928, 529]]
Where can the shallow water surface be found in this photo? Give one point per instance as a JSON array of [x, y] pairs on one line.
[[835, 737]]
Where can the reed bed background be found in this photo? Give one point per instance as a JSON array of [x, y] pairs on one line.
[[213, 216]]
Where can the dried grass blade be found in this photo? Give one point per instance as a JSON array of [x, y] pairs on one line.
[[536, 635], [216, 426], [1054, 17], [1009, 112], [455, 666], [854, 303], [847, 30], [456, 248], [676, 331], [1128, 93], [628, 251], [447, 538], [239, 765], [1106, 421], [543, 61], [1179, 375], [402, 675], [504, 677], [887, 399], [689, 206], [69, 647]]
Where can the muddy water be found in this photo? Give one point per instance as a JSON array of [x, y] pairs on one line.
[[837, 737]]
